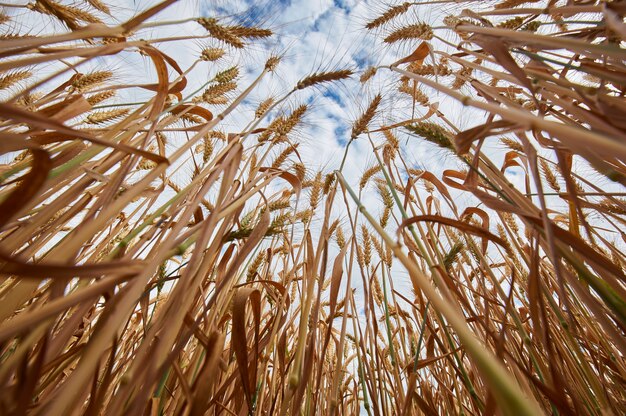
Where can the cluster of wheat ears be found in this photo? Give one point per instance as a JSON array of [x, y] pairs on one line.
[[127, 289]]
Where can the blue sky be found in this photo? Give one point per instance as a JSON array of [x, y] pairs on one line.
[[313, 35]]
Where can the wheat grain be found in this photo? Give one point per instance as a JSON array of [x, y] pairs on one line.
[[329, 180], [214, 93], [146, 164], [12, 78], [425, 70], [378, 247], [280, 204], [339, 237], [416, 31], [220, 32], [287, 124], [84, 82], [385, 195], [70, 15], [461, 77], [360, 125], [300, 170], [228, 75], [97, 4], [612, 207], [389, 153], [384, 218], [305, 215], [263, 107], [359, 256], [512, 23], [316, 191], [282, 157], [191, 118], [101, 117], [99, 97], [368, 74], [258, 260], [377, 290], [323, 77], [29, 100], [249, 32], [432, 132], [272, 62], [388, 15], [512, 144], [550, 176], [207, 151], [368, 174], [280, 220], [414, 92], [212, 54], [271, 129], [532, 26]]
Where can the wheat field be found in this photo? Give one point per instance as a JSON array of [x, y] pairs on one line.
[[167, 248]]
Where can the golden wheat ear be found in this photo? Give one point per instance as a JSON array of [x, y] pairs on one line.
[[388, 15], [360, 125], [323, 77]]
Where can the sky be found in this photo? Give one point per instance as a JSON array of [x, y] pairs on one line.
[[311, 36], [321, 35]]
